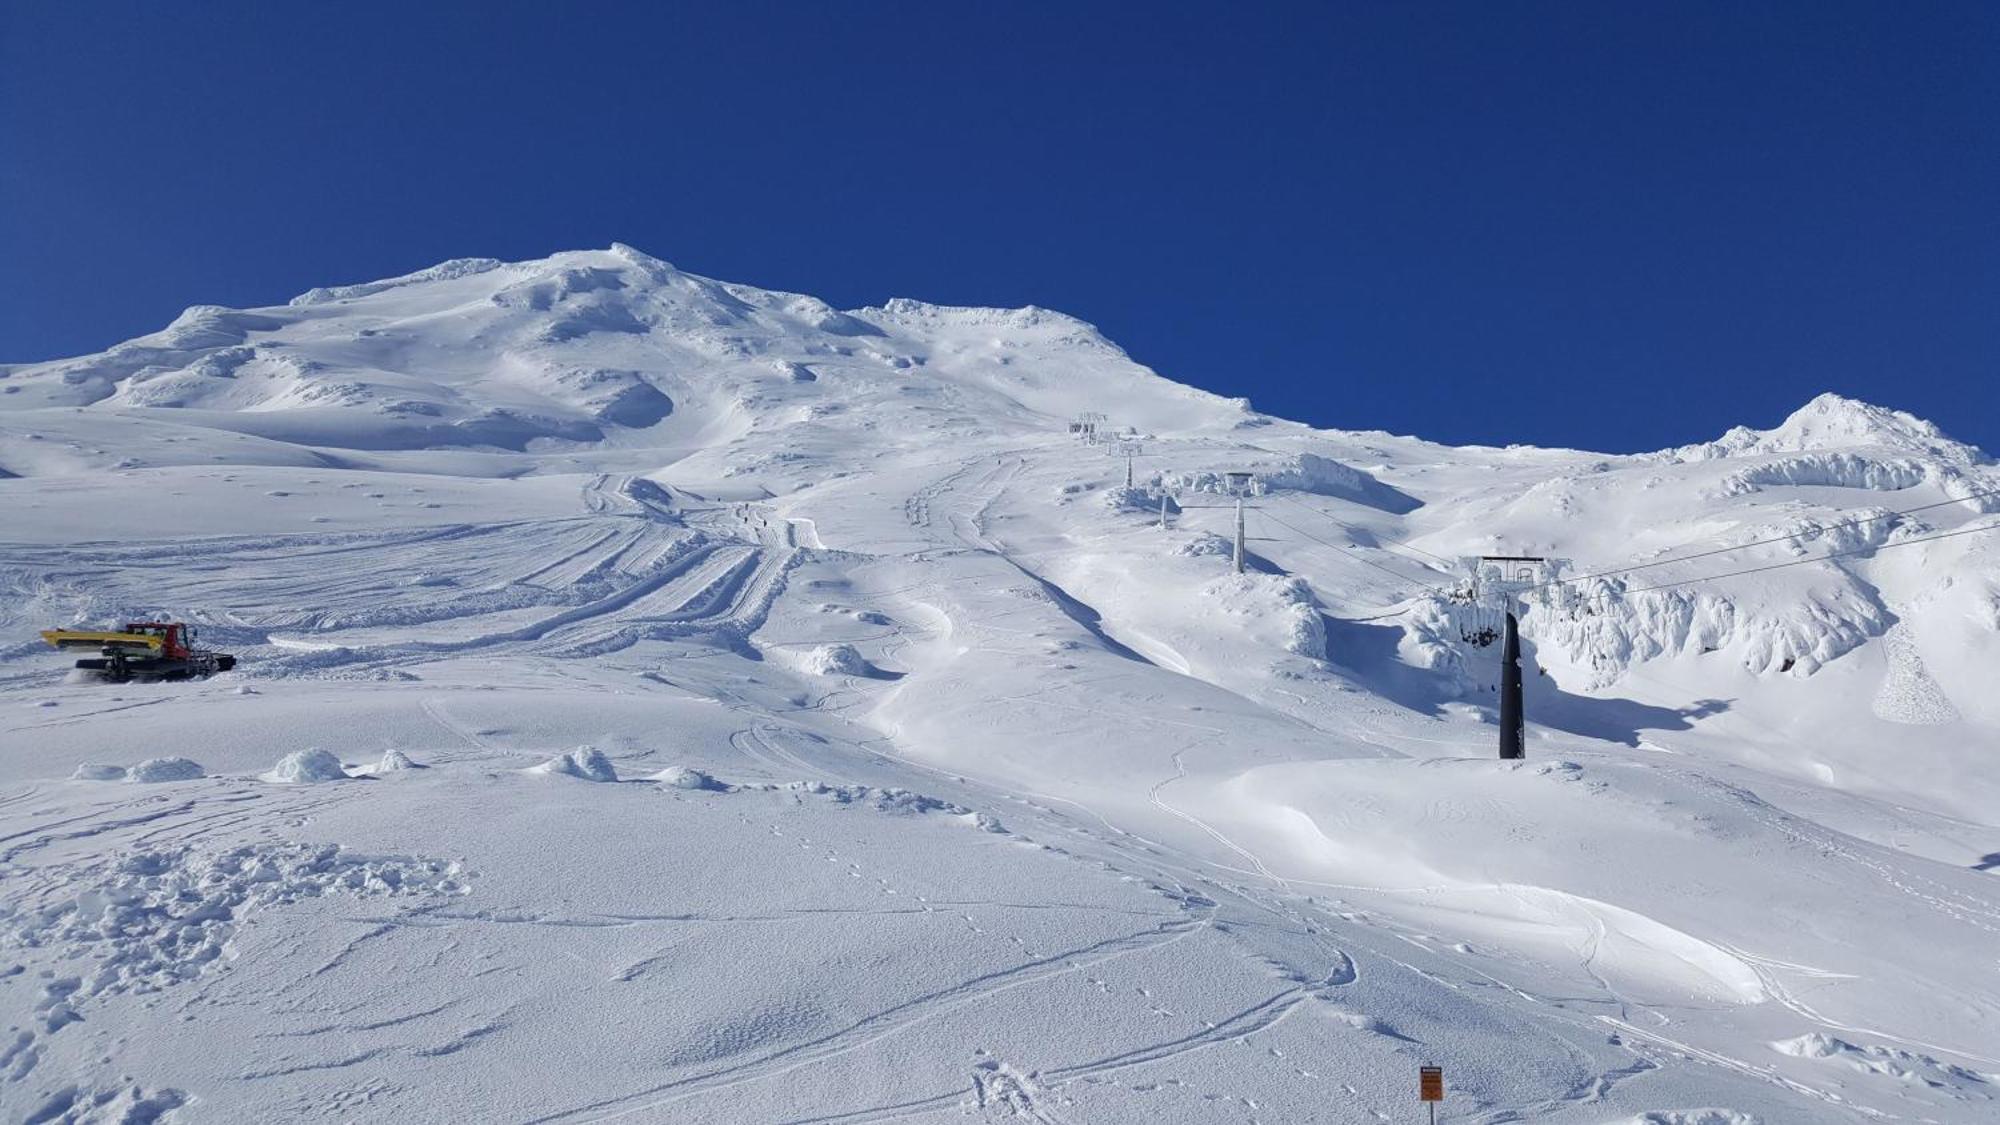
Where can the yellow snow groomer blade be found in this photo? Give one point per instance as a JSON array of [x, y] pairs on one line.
[[86, 638]]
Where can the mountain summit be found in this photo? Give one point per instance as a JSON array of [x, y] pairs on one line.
[[1832, 422]]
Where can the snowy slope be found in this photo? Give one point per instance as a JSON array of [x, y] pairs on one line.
[[736, 709]]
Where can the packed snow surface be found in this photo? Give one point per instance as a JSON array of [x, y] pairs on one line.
[[979, 784]]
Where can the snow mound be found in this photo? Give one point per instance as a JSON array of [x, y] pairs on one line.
[[1911, 1067], [1814, 1045], [1145, 501], [124, 1104], [895, 801], [686, 777], [837, 660], [1206, 544], [86, 771], [885, 800], [307, 767], [587, 763], [392, 761], [1359, 1021], [165, 769], [1280, 609]]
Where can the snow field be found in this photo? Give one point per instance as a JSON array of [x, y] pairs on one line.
[[762, 712]]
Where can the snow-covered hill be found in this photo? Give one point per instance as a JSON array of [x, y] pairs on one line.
[[927, 774]]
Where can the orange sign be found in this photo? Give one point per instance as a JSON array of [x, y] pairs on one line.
[[1430, 1084]]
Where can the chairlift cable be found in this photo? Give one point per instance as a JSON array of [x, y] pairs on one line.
[[1869, 550], [1390, 542], [1353, 555], [1815, 533]]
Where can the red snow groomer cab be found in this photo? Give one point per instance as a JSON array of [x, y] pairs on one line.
[[153, 650]]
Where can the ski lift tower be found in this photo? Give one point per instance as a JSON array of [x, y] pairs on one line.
[[1239, 487], [1128, 450], [1506, 577]]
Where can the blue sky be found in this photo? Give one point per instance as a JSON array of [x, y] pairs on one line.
[[1618, 226]]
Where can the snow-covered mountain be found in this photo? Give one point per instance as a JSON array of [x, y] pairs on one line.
[[593, 347], [846, 588]]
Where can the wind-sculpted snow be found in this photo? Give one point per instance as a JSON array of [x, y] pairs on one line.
[[1605, 630], [1833, 470], [1302, 472], [1980, 491], [1609, 631], [443, 271], [838, 737], [1912, 1067]]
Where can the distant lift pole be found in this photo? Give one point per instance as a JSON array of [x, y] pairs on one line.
[[1239, 535], [1239, 483]]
